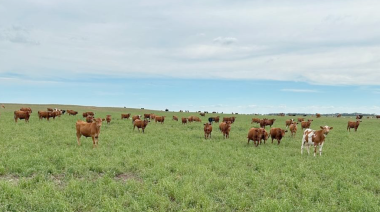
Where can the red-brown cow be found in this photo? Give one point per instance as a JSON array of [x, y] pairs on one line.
[[255, 135], [89, 130], [160, 119], [26, 109], [264, 135], [225, 128], [318, 115], [147, 116], [377, 117], [140, 124], [314, 138], [72, 112], [125, 116], [293, 129], [135, 118], [288, 123], [175, 118], [207, 129], [108, 119], [216, 119], [3, 106], [84, 115], [44, 114], [353, 124], [50, 109], [197, 119], [184, 120], [300, 119], [339, 115], [255, 120], [306, 124], [278, 134], [21, 115], [190, 119]]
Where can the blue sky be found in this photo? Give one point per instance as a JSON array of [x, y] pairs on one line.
[[216, 55]]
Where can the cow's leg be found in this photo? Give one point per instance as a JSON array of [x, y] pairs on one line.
[[302, 147], [134, 127], [248, 142], [320, 149], [78, 139], [279, 140], [93, 142], [272, 140], [315, 149]]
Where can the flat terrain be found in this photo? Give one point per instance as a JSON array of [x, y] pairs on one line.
[[173, 168]]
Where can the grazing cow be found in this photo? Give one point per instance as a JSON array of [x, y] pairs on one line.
[[63, 111], [3, 106], [146, 116], [289, 122], [197, 119], [216, 119], [84, 114], [140, 124], [190, 119], [231, 119], [125, 116], [318, 115], [108, 119], [208, 129], [175, 118], [225, 128], [300, 119], [255, 134], [53, 114], [202, 114], [26, 109], [18, 114], [152, 116], [377, 117], [44, 114], [50, 109], [277, 133], [315, 138], [266, 122], [160, 119], [353, 124], [72, 112], [293, 129], [339, 115], [255, 120], [262, 123], [89, 119], [306, 124], [359, 116], [264, 135], [89, 130], [210, 120], [184, 120], [135, 118]]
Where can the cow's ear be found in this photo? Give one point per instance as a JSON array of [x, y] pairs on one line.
[[321, 127], [331, 128]]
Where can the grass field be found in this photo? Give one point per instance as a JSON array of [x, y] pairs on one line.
[[173, 168]]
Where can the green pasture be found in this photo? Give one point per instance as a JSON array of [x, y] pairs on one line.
[[173, 168]]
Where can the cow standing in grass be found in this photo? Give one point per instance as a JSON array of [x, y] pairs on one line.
[[353, 124], [207, 129], [315, 138], [89, 130]]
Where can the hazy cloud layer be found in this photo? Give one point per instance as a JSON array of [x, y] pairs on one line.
[[319, 42]]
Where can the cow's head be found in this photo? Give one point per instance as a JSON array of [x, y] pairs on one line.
[[98, 121], [310, 120], [283, 132], [326, 129]]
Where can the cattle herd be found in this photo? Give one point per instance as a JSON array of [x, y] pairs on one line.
[[91, 126]]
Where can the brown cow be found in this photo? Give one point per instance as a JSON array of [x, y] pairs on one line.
[[216, 119], [108, 119], [160, 119], [152, 116], [26, 109], [264, 135], [293, 129], [207, 129], [147, 116], [202, 114], [315, 138], [90, 113], [262, 123], [318, 115], [255, 120], [21, 115], [125, 116], [50, 109], [269, 122], [3, 106], [197, 119], [353, 124], [135, 118], [140, 124], [300, 119], [190, 119], [306, 124], [288, 123], [89, 130], [44, 114], [175, 118], [277, 133], [184, 120], [377, 117], [72, 112], [255, 134], [85, 114], [339, 115], [225, 128], [89, 119]]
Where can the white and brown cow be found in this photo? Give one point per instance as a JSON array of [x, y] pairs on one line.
[[313, 137]]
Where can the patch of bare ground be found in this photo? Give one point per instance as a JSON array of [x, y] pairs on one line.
[[124, 177]]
